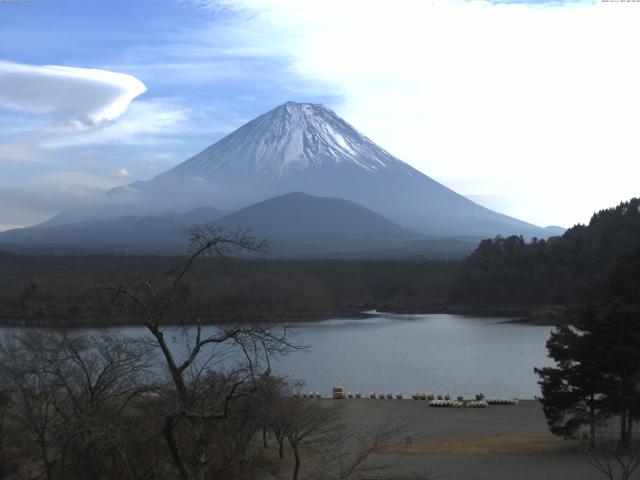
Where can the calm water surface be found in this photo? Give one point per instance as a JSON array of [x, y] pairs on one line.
[[456, 354], [407, 353]]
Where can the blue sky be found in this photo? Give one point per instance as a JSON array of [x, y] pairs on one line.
[[203, 83], [502, 101]]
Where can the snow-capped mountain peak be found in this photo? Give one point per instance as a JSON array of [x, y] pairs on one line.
[[289, 138], [305, 147]]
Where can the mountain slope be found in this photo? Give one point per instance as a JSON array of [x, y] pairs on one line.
[[128, 233], [199, 215], [301, 215], [297, 223], [302, 225], [308, 148]]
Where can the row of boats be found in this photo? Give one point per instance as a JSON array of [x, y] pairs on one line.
[[459, 403], [466, 403], [435, 399]]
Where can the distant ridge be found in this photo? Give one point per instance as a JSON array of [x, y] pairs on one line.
[[297, 214], [296, 224], [120, 234], [304, 147], [299, 223]]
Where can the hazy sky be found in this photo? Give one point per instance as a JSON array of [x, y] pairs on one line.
[[529, 108]]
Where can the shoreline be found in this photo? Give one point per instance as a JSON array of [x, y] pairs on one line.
[[542, 315], [498, 442], [546, 315]]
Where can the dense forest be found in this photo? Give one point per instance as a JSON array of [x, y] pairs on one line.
[[69, 289], [570, 270]]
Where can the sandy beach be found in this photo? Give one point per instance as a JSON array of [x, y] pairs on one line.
[[498, 442]]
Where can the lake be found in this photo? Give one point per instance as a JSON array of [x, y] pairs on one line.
[[455, 354], [388, 353]]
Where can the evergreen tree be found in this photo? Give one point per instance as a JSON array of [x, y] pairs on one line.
[[597, 372], [570, 270], [624, 282], [618, 331], [572, 391]]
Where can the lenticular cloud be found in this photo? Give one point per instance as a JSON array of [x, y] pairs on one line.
[[74, 98]]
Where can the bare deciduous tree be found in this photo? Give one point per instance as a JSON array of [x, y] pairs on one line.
[[330, 449], [202, 397], [350, 455], [5, 463], [613, 459], [309, 424], [67, 393], [34, 393], [188, 401]]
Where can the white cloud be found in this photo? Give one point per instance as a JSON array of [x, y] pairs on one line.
[[48, 115], [79, 106], [20, 151], [80, 182], [74, 98], [534, 107], [527, 109], [8, 226], [45, 196], [144, 123]]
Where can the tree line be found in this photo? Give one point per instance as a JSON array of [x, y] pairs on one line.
[[569, 270], [67, 290]]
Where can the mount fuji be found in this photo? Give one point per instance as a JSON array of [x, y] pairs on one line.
[[350, 194], [303, 147]]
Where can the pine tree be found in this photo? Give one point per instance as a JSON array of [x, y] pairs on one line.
[[597, 372], [572, 391]]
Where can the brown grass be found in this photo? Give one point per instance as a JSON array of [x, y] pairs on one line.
[[512, 444]]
